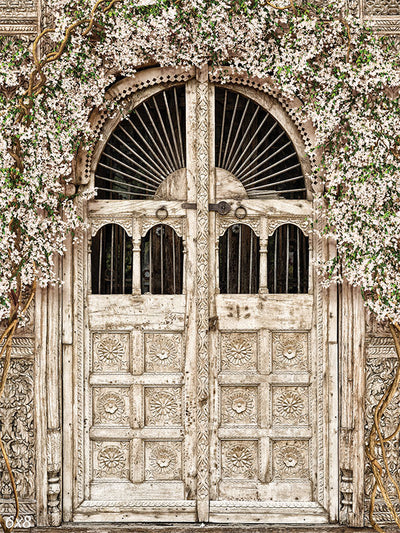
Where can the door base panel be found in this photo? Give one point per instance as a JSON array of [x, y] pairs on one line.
[[267, 513], [161, 511]]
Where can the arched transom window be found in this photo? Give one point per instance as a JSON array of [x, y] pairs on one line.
[[145, 158]]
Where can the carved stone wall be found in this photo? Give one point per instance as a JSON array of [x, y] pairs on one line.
[[19, 16], [380, 368], [17, 428]]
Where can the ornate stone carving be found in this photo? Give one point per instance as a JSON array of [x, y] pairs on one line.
[[18, 16], [290, 351], [290, 405], [226, 222], [376, 328], [381, 347], [163, 406], [54, 448], [175, 223], [110, 352], [202, 292], [111, 406], [124, 222], [381, 8], [354, 7], [163, 461], [163, 352], [17, 429], [301, 222], [379, 373], [346, 491], [22, 347], [239, 459], [239, 405], [239, 351], [290, 460], [111, 460]]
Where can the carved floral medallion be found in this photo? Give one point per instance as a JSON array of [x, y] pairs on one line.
[[239, 459], [111, 460], [163, 406], [163, 352], [110, 352], [239, 351], [239, 405], [289, 405], [290, 351], [163, 460], [290, 460], [110, 406]]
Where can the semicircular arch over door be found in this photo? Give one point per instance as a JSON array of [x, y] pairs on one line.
[[200, 355]]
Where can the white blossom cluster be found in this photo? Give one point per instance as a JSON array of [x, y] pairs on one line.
[[345, 77]]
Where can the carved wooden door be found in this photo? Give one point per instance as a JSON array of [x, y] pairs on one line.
[[136, 449], [198, 377], [266, 449]]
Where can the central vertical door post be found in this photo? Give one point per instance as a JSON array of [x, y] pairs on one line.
[[202, 291]]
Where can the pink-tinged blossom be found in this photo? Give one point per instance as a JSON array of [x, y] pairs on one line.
[[351, 101]]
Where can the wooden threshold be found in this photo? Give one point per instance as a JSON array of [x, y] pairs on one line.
[[198, 528]]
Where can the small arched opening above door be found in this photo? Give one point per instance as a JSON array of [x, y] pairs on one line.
[[146, 151], [239, 260], [161, 261], [111, 261], [253, 149], [288, 258]]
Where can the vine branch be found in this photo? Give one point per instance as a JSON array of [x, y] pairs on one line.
[[37, 82], [376, 441]]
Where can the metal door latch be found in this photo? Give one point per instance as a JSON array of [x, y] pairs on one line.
[[222, 208]]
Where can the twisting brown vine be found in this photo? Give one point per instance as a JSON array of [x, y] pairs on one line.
[[19, 304], [376, 441], [5, 351]]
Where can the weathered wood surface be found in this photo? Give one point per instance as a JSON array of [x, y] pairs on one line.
[[157, 407], [215, 528]]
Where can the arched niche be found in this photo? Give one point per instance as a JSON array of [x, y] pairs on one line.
[[239, 260], [111, 261], [288, 260], [161, 261]]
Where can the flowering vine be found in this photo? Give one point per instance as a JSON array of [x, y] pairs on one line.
[[345, 78]]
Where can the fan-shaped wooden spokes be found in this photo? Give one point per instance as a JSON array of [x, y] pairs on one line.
[[145, 148], [253, 146]]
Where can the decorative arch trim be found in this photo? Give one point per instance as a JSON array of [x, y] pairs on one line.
[[125, 224], [128, 93]]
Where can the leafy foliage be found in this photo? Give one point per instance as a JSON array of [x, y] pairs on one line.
[[343, 78]]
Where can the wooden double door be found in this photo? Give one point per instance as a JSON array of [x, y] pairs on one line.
[[200, 386]]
